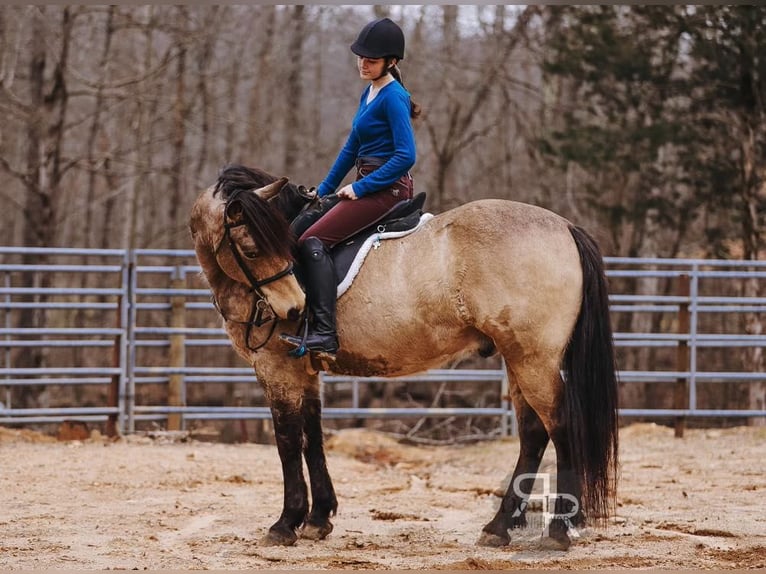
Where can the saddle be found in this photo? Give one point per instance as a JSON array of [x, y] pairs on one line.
[[402, 217]]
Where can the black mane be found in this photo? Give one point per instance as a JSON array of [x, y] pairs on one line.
[[235, 178], [265, 221]]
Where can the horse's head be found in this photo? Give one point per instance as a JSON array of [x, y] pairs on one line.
[[237, 230]]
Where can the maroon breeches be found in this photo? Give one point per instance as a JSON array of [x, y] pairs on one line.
[[349, 217]]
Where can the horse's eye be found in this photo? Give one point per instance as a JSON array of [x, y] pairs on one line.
[[250, 254]]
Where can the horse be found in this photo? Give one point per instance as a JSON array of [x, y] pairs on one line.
[[490, 276]]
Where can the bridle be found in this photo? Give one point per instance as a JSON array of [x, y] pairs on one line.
[[260, 303]]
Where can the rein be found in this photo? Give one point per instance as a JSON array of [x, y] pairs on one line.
[[260, 302]]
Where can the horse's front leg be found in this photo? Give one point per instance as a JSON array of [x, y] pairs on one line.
[[288, 430], [324, 504]]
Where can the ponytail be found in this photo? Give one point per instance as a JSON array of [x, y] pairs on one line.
[[397, 74]]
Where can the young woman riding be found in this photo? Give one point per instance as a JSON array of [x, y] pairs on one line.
[[382, 147]]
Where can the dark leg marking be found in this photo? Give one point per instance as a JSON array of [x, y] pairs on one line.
[[533, 440], [288, 429], [324, 503]]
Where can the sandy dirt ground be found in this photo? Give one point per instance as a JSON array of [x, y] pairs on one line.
[[155, 503]]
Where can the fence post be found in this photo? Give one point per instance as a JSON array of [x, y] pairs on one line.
[[176, 385], [130, 391], [681, 391], [113, 394], [7, 324]]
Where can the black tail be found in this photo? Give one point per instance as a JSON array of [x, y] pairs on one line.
[[591, 386]]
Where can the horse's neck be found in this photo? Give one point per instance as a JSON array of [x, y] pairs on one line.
[[224, 288]]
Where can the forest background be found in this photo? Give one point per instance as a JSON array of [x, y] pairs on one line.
[[644, 124]]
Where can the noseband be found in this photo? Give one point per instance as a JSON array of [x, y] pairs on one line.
[[260, 302]]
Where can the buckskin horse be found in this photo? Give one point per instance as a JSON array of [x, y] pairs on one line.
[[490, 276]]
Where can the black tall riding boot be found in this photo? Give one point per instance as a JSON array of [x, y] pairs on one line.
[[318, 271]]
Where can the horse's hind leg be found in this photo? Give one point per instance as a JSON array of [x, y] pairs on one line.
[[324, 504], [567, 511], [533, 439]]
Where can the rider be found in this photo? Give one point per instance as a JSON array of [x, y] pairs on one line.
[[382, 147]]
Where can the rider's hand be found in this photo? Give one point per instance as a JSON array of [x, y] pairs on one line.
[[346, 192]]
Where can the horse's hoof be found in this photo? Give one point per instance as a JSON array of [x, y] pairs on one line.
[[316, 531], [559, 543], [278, 538], [493, 540]]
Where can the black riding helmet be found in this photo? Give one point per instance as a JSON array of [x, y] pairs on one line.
[[380, 39]]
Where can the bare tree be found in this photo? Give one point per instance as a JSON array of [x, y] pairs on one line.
[[752, 125], [210, 26], [179, 162], [94, 162], [141, 120], [44, 165], [262, 100], [458, 122], [294, 96]]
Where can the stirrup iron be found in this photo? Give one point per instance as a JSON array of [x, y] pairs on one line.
[[300, 348]]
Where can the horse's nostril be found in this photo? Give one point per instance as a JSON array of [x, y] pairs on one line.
[[293, 314]]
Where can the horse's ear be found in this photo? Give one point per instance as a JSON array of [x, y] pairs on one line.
[[272, 189]]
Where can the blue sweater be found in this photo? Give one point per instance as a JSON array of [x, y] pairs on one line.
[[381, 129]]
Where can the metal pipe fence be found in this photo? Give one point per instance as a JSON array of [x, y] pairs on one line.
[[138, 330]]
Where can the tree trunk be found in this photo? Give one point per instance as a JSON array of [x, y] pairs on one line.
[[261, 106], [753, 152], [294, 96], [45, 132], [175, 220], [450, 36], [141, 122], [203, 72], [754, 191], [94, 161]]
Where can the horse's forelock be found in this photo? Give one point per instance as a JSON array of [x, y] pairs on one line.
[[236, 177], [266, 225]]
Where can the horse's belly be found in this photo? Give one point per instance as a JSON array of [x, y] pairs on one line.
[[389, 354], [392, 335]]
